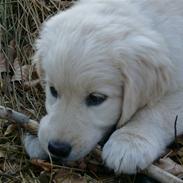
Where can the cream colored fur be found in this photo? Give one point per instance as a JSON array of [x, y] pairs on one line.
[[129, 50]]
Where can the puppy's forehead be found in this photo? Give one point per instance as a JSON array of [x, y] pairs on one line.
[[75, 66], [80, 72], [76, 55]]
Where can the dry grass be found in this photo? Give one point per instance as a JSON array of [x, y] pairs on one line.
[[20, 24]]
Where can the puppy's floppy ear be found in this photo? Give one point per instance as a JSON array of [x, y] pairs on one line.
[[146, 70]]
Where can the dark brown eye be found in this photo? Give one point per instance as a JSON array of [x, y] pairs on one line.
[[53, 91], [95, 99]]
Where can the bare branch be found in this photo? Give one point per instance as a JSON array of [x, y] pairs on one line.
[[162, 175], [19, 118]]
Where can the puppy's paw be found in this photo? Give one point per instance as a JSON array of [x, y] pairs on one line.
[[129, 153], [33, 147]]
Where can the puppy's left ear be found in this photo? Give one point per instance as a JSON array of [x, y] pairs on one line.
[[146, 70]]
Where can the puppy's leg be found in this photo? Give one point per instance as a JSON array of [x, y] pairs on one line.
[[145, 137], [33, 147]]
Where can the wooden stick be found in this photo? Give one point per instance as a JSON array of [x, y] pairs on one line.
[[162, 175], [19, 118], [32, 126]]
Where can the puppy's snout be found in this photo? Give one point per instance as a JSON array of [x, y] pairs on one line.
[[59, 149]]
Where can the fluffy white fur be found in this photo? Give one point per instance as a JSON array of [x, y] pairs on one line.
[[129, 50]]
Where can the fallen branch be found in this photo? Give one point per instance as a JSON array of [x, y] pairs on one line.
[[19, 118], [162, 175], [32, 126]]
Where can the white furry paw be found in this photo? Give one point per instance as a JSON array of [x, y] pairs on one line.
[[129, 153], [33, 147]]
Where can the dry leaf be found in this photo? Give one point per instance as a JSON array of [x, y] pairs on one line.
[[33, 83], [82, 164], [27, 50], [42, 164], [26, 74], [66, 176], [2, 154], [10, 129], [73, 179], [21, 73], [11, 51], [2, 64], [170, 166]]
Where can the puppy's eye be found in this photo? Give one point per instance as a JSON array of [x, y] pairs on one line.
[[53, 92], [95, 99]]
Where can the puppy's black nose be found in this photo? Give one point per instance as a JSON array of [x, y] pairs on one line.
[[59, 149]]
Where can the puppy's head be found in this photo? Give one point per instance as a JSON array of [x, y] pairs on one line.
[[98, 73]]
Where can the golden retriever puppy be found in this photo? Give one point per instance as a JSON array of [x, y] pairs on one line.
[[111, 63]]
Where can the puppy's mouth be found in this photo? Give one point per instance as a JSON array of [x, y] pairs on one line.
[[72, 160], [63, 153]]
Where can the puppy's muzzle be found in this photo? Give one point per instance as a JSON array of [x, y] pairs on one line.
[[59, 149]]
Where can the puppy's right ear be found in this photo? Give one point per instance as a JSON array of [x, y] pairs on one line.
[[147, 71]]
